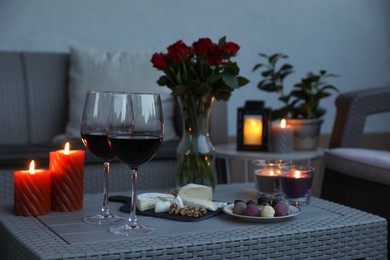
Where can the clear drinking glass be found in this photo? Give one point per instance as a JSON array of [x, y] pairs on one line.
[[135, 132], [93, 134]]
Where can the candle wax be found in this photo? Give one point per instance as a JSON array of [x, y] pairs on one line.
[[67, 180], [282, 138], [32, 192]]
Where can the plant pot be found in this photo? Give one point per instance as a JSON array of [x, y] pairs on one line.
[[306, 133]]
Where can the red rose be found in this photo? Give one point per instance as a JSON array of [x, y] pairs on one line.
[[216, 55], [179, 50], [159, 61], [231, 48], [202, 46]]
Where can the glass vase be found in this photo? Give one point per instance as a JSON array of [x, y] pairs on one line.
[[195, 152]]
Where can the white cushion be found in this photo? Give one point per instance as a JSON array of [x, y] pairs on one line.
[[372, 165], [113, 70]]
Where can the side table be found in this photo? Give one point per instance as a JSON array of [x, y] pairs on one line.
[[229, 152]]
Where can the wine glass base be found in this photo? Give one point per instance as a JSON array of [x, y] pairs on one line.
[[127, 230], [104, 220]]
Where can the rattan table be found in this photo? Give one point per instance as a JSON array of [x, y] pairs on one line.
[[323, 230]]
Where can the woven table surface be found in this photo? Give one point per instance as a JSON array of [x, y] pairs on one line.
[[323, 230]]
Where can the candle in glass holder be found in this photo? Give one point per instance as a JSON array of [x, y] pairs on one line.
[[32, 191], [266, 181], [267, 175], [296, 185], [67, 179]]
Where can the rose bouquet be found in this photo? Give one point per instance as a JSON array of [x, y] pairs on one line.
[[197, 74], [204, 68]]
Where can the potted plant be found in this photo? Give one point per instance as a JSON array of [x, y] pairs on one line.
[[301, 105]]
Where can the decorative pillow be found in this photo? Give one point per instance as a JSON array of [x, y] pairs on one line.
[[113, 70]]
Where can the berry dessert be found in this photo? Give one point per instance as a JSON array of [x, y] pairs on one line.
[[264, 206]]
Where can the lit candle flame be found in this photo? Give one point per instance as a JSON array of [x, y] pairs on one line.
[[66, 150], [297, 174], [271, 172], [32, 167], [283, 123]]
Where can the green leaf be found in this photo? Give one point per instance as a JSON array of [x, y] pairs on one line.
[[257, 66], [223, 94], [269, 87], [213, 78], [241, 81], [266, 73], [200, 89], [330, 87], [222, 40], [179, 90], [230, 80], [163, 81]]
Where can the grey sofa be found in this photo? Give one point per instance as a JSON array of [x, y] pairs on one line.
[[34, 109]]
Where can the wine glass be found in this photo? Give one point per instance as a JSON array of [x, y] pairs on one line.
[[93, 134], [135, 132]]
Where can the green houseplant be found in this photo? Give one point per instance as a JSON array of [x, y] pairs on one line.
[[301, 105]]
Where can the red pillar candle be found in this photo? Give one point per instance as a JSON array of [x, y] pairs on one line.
[[32, 192], [67, 179]]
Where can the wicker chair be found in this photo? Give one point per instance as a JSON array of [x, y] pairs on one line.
[[355, 176]]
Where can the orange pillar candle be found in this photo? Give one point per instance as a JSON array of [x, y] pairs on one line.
[[253, 131], [32, 192], [67, 179]]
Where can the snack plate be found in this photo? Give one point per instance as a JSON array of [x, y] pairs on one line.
[[294, 212]]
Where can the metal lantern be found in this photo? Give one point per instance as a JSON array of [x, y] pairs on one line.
[[253, 123]]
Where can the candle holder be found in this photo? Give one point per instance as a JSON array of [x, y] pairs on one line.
[[296, 183], [253, 122], [266, 175]]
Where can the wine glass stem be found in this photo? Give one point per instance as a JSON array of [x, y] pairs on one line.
[[133, 217], [106, 175]]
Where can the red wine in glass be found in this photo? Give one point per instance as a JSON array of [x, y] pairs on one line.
[[97, 143], [135, 132], [135, 150], [93, 134]]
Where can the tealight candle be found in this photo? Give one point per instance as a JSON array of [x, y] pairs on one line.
[[67, 179], [32, 191], [282, 138], [253, 131]]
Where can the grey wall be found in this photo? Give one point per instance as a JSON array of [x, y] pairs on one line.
[[350, 38]]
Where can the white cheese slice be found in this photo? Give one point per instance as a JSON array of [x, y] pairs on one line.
[[196, 191], [208, 204], [147, 201], [162, 206], [178, 201]]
